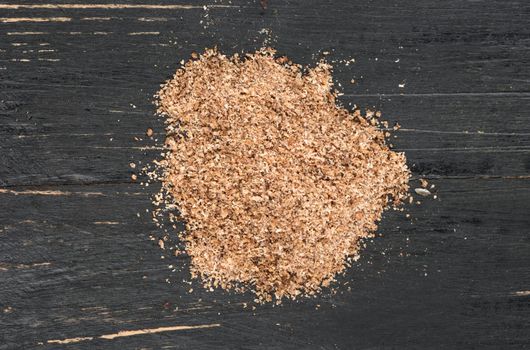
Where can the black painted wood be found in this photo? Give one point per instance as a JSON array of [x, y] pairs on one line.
[[76, 254]]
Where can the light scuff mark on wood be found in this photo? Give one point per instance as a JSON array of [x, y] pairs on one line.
[[146, 148], [130, 333], [522, 293], [109, 6], [63, 134], [26, 33], [9, 266], [144, 33], [156, 330], [107, 223], [34, 19], [152, 19], [465, 132], [92, 308], [69, 340], [49, 193], [500, 149], [96, 18]]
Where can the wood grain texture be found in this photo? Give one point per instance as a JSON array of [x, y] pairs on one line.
[[76, 257]]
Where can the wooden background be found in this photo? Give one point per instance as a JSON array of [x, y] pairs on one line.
[[76, 261]]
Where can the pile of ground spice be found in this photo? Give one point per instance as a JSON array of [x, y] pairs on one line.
[[276, 183]]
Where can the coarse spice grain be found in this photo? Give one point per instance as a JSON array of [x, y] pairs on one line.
[[277, 184]]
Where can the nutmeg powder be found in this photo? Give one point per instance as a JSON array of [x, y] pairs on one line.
[[276, 183]]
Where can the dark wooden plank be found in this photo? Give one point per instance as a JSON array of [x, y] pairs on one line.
[[441, 136], [79, 263], [108, 77], [68, 150]]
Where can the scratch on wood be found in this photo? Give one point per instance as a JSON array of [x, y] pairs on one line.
[[66, 134], [7, 266], [90, 308], [108, 6], [69, 340], [49, 193], [96, 18], [197, 308], [132, 333], [144, 33], [26, 33], [107, 222], [443, 94], [466, 149], [146, 148], [152, 19], [34, 19], [522, 293], [156, 330], [464, 132]]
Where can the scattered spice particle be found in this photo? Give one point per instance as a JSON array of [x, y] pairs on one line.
[[422, 192], [276, 183], [149, 132], [424, 183], [134, 177]]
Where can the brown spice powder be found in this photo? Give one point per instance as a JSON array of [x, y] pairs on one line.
[[276, 183]]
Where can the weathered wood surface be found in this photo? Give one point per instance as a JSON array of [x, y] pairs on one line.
[[76, 85]]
